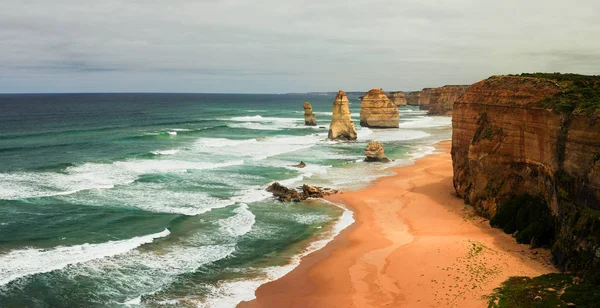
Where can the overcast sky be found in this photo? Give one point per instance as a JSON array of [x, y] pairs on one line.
[[277, 46]]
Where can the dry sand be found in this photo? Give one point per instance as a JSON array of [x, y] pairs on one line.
[[414, 244]]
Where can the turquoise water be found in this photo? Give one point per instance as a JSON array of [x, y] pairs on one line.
[[152, 200]]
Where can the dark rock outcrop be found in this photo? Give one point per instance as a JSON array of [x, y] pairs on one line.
[[376, 110], [309, 116], [535, 135], [375, 153], [300, 165], [285, 194], [342, 126]]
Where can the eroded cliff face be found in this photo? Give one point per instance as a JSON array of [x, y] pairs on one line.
[[378, 111], [506, 144], [424, 99], [342, 126], [412, 98], [442, 99], [398, 98], [309, 116]]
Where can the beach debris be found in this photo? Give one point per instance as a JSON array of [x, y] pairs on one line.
[[342, 126], [285, 194], [375, 153], [300, 165], [309, 116]]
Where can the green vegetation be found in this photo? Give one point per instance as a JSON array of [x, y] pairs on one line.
[[580, 92], [529, 217], [551, 290]]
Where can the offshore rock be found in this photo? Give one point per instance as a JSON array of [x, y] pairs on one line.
[[398, 98], [510, 138], [424, 98], [285, 194], [342, 126], [300, 165], [378, 111], [441, 100], [309, 116], [375, 153], [412, 98]]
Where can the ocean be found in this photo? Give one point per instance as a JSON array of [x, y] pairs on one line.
[[157, 200]]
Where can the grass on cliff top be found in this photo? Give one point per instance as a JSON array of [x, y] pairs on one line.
[[580, 93], [550, 290]]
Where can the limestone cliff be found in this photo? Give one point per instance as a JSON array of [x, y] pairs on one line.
[[342, 126], [424, 99], [309, 116], [398, 98], [536, 135], [376, 110], [442, 99], [412, 98]]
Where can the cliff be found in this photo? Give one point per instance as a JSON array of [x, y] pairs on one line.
[[342, 126], [376, 110], [412, 98], [424, 99], [518, 139], [398, 98], [309, 116], [442, 99]]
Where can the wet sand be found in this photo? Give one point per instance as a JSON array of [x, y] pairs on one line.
[[414, 244]]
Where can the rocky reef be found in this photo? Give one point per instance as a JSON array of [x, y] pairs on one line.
[[413, 97], [309, 116], [442, 99], [398, 98], [534, 137], [374, 153], [376, 110], [342, 126], [424, 99], [285, 194]]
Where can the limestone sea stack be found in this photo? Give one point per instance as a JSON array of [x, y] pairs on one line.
[[378, 111], [518, 139], [424, 99], [342, 126], [412, 98], [442, 99], [398, 98], [375, 153], [309, 116]]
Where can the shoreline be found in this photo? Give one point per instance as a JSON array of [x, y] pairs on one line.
[[413, 244]]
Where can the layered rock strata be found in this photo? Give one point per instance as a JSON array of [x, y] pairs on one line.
[[507, 142], [442, 99], [374, 152], [398, 98], [412, 98], [342, 126], [378, 111], [424, 99], [309, 116]]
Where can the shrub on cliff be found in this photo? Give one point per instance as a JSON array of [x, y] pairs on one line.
[[529, 217]]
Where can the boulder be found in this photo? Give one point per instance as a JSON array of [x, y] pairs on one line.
[[342, 126], [378, 111], [300, 165], [309, 116], [285, 194], [375, 153]]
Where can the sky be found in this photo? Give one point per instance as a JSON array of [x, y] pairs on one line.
[[280, 46]]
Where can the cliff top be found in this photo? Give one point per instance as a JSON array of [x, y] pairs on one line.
[[579, 93]]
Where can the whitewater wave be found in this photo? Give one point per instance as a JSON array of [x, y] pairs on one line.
[[21, 185], [25, 262], [240, 223], [166, 152], [427, 122]]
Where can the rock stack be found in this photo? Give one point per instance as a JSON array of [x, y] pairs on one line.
[[309, 116], [441, 100], [398, 98], [412, 98], [342, 127], [424, 99], [378, 111], [374, 153]]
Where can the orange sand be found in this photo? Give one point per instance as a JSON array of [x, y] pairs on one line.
[[414, 244]]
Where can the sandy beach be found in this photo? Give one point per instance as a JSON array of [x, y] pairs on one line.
[[414, 244]]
